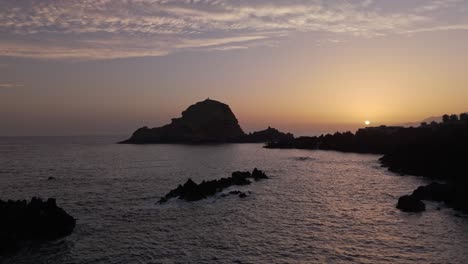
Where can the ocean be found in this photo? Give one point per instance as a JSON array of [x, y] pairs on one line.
[[317, 206]]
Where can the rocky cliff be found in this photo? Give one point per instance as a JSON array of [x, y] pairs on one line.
[[206, 121]]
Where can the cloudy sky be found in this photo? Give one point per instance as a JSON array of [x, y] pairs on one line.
[[109, 66]]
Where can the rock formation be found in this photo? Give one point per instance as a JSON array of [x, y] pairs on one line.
[[191, 191], [34, 221], [409, 203], [208, 121]]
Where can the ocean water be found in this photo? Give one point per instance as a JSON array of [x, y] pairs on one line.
[[318, 206]]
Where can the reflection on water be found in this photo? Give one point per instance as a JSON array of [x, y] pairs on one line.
[[318, 206]]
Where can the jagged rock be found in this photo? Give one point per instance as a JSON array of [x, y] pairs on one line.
[[258, 174], [191, 191], [34, 221], [409, 203]]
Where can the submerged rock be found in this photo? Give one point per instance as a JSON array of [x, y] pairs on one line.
[[409, 203], [191, 191], [238, 193], [37, 220]]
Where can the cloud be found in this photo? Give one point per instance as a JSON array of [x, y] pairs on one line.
[[437, 5], [440, 28], [107, 29], [10, 85]]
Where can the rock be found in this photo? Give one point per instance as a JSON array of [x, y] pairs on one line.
[[208, 121], [409, 203], [269, 135], [435, 192], [34, 221], [191, 191], [238, 193], [258, 175], [204, 122], [51, 178], [241, 178]]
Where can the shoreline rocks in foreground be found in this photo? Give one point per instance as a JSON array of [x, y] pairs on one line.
[[448, 193], [38, 220], [191, 191]]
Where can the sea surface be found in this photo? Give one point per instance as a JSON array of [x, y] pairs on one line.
[[318, 206]]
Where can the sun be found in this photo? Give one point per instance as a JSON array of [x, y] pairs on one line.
[[367, 122]]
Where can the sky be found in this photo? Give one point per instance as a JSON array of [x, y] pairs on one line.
[[107, 67]]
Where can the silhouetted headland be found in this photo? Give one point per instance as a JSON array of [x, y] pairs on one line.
[[434, 150], [191, 191], [22, 222], [208, 121]]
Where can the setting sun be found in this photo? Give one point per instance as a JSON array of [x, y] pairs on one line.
[[367, 122]]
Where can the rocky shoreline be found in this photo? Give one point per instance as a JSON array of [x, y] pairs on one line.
[[436, 151]]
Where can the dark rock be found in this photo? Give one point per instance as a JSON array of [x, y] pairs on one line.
[[191, 191], [409, 203], [258, 175], [34, 221], [241, 178], [434, 192], [238, 193], [206, 121], [269, 135], [51, 178]]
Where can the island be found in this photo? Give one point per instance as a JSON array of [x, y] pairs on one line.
[[208, 121]]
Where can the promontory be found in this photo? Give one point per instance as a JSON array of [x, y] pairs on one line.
[[208, 121]]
